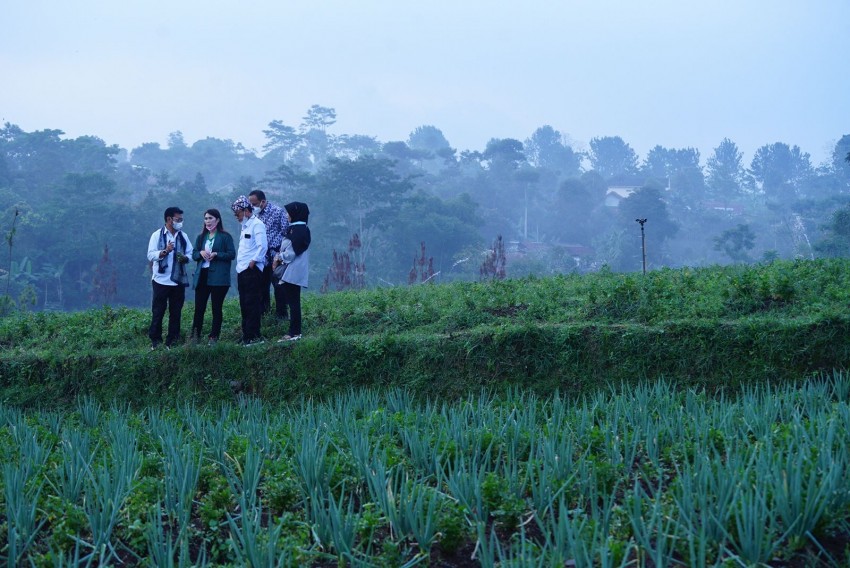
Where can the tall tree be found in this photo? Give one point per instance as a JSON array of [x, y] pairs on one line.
[[570, 215], [656, 165], [176, 141], [504, 154], [37, 158], [356, 145], [358, 196], [5, 174], [90, 154], [836, 240], [319, 118], [725, 171], [357, 192], [151, 156], [547, 148], [841, 160], [428, 138], [282, 140], [611, 156], [318, 145], [447, 226], [780, 171], [679, 169]]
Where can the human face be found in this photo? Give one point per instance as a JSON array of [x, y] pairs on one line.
[[240, 215], [210, 222], [256, 202], [178, 218]]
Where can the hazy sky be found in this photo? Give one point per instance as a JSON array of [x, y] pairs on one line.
[[677, 73]]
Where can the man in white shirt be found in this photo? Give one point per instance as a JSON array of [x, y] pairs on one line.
[[250, 262], [169, 250]]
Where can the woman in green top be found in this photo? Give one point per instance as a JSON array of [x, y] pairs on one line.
[[214, 251]]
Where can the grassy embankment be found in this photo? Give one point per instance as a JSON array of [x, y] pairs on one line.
[[716, 327]]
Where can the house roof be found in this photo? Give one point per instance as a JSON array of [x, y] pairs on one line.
[[723, 206], [622, 191]]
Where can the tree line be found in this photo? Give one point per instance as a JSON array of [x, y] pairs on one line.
[[76, 213]]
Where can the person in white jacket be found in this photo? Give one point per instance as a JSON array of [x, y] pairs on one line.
[[169, 250], [250, 262]]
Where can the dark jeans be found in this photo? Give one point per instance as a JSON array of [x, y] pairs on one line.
[[279, 295], [202, 294], [249, 282], [172, 297], [293, 296]]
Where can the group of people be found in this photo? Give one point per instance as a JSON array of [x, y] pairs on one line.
[[272, 251]]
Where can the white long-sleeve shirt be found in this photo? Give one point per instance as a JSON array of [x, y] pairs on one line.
[[253, 244], [154, 249]]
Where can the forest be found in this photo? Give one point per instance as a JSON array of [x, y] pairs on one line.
[[76, 214]]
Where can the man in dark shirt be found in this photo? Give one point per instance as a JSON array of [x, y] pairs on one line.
[[274, 218]]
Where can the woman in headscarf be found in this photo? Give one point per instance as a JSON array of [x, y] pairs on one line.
[[295, 254]]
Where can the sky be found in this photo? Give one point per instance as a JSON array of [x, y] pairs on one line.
[[675, 73]]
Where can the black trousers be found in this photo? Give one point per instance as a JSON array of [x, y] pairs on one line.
[[202, 294], [279, 294], [293, 296], [171, 297], [250, 282]]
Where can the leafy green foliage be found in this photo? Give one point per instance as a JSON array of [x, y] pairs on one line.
[[644, 474], [78, 196], [713, 326], [736, 242], [836, 242]]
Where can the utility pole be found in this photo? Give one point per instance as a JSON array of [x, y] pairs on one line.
[[642, 242]]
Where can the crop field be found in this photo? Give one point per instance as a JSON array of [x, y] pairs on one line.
[[650, 476], [686, 418]]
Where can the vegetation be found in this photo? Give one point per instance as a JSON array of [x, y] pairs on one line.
[[717, 327], [507, 422], [79, 211], [651, 476]]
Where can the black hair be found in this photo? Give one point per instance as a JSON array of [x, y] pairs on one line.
[[215, 213], [259, 194], [171, 212]]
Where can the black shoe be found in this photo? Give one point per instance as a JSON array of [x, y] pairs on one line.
[[155, 345]]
